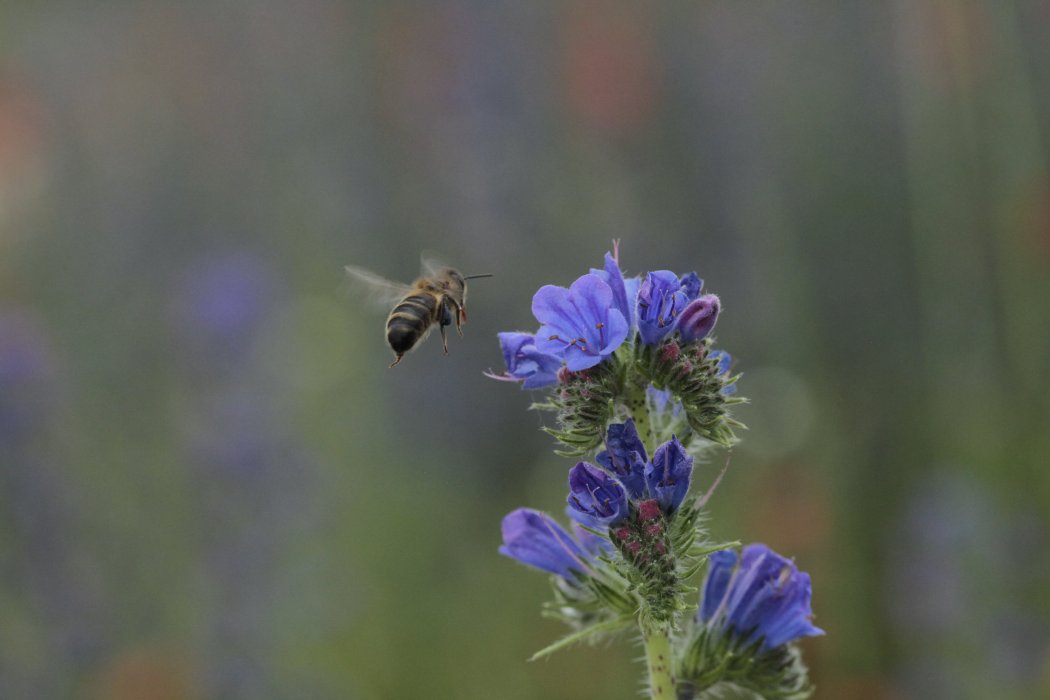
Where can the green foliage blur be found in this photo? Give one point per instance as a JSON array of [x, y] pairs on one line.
[[211, 486]]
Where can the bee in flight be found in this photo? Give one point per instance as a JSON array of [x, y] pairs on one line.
[[438, 296]]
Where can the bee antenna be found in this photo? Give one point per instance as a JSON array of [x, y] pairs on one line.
[[474, 277]]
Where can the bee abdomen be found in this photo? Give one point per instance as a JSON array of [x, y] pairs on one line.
[[409, 321], [401, 335]]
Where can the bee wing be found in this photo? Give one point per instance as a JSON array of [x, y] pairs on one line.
[[431, 264], [377, 290]]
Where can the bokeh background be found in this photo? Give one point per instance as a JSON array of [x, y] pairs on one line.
[[211, 486]]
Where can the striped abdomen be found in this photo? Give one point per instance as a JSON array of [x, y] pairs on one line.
[[409, 321]]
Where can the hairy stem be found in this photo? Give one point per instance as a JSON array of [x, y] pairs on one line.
[[658, 660]]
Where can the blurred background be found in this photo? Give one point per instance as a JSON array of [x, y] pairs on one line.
[[211, 486]]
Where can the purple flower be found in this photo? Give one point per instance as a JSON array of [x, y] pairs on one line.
[[698, 318], [596, 494], [625, 457], [537, 540], [668, 475], [764, 597], [526, 363], [662, 297], [580, 324]]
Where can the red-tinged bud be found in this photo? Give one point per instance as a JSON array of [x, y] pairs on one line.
[[634, 546], [660, 547], [649, 510], [622, 534], [654, 529], [563, 376], [670, 352]]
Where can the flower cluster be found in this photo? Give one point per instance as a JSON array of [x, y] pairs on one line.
[[606, 337], [629, 472], [627, 505], [641, 395]]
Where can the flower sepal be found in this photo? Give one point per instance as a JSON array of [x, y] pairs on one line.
[[584, 403], [595, 607], [711, 664], [699, 379]]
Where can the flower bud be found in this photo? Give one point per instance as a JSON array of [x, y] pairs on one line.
[[698, 318], [668, 475], [625, 457]]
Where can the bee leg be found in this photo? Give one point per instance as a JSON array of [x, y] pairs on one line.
[[396, 360], [461, 318], [444, 338]]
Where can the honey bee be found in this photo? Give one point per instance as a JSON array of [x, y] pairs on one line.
[[438, 296]]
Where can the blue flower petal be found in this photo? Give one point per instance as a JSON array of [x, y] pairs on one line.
[[580, 323], [720, 567], [623, 297], [763, 596], [525, 363], [535, 539]]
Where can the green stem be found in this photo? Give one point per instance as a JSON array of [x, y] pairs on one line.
[[638, 405], [658, 660]]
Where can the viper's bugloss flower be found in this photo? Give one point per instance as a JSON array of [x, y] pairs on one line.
[[760, 595], [724, 361], [596, 494], [662, 297], [625, 291], [580, 324], [625, 457], [698, 318], [668, 475], [536, 539], [525, 363]]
